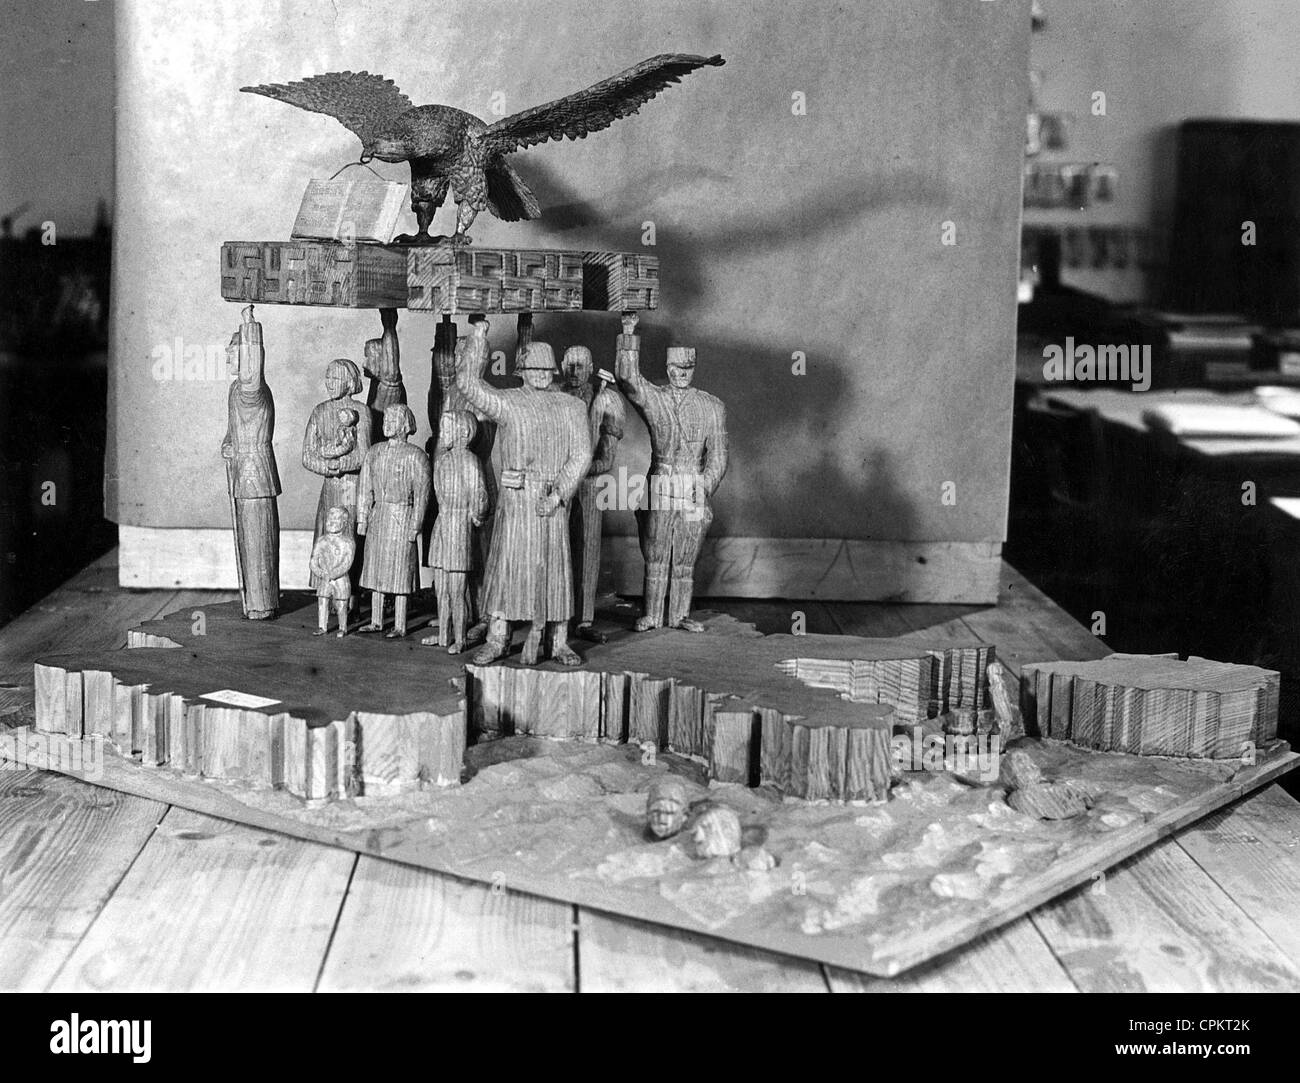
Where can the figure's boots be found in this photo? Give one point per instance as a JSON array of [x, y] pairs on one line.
[[458, 605], [498, 641], [399, 617], [679, 604], [560, 649], [656, 586], [376, 613]]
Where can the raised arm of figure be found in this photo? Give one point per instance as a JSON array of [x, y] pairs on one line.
[[471, 362]]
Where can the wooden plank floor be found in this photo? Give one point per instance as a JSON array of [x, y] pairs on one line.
[[104, 891]]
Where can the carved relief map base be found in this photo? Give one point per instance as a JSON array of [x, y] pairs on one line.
[[553, 804]]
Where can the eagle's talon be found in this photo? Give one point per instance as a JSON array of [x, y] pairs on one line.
[[460, 240]]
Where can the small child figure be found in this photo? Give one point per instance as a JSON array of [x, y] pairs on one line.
[[462, 503], [331, 561], [347, 441]]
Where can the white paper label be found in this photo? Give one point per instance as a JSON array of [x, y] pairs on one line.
[[239, 699]]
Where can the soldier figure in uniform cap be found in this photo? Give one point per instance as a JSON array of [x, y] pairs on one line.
[[688, 456]]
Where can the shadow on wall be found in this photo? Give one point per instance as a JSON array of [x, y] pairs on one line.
[[821, 215], [788, 458]]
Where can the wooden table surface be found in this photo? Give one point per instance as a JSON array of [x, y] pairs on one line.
[[104, 891]]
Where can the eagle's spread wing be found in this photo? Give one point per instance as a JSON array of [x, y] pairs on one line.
[[596, 107], [360, 101]]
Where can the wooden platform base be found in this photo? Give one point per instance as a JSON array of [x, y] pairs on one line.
[[212, 695], [1153, 705]]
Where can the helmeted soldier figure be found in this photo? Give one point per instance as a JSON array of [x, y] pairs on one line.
[[545, 451]]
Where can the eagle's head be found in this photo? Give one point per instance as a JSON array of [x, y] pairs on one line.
[[390, 141], [386, 149]]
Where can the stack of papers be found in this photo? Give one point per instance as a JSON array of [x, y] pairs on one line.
[[1206, 419]]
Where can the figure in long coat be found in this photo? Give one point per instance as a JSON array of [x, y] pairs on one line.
[[392, 497], [251, 476], [545, 451]]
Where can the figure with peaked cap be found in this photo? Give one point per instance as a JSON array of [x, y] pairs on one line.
[[545, 451], [688, 456]]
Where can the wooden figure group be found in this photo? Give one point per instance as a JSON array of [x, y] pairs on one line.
[[335, 444], [542, 514]]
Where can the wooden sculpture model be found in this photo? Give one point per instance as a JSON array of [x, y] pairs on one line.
[[392, 497], [462, 500], [383, 364], [252, 479], [545, 451], [335, 443], [450, 149], [605, 414], [688, 456], [332, 555]]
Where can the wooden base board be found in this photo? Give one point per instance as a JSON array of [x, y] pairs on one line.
[[412, 843], [869, 887], [213, 695], [954, 573]]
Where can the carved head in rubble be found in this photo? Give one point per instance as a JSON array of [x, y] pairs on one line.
[[666, 806]]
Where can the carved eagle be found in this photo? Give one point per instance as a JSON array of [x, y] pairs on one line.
[[448, 148]]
